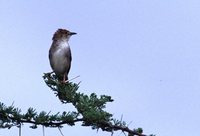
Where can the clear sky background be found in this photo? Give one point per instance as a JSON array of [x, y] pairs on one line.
[[144, 53]]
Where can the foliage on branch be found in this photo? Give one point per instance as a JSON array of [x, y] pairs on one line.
[[89, 111]]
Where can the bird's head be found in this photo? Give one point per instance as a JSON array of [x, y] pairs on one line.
[[62, 34]]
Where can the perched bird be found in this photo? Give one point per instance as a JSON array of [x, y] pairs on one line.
[[60, 54]]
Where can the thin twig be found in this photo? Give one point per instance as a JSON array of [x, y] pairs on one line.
[[43, 131], [129, 123], [20, 129], [79, 83], [72, 79], [60, 131]]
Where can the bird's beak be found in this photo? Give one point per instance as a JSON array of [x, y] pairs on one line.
[[72, 33]]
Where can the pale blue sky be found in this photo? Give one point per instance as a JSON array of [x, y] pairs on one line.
[[143, 53]]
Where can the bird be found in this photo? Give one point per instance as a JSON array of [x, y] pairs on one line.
[[60, 54]]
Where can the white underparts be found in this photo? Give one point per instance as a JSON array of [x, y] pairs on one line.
[[59, 57]]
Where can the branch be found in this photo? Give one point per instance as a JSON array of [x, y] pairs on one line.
[[90, 111], [16, 119]]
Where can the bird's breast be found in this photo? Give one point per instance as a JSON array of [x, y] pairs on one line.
[[59, 58]]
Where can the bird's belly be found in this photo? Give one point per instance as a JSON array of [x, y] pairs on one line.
[[60, 62]]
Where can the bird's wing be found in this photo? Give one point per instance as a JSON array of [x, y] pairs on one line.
[[51, 54], [69, 59]]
